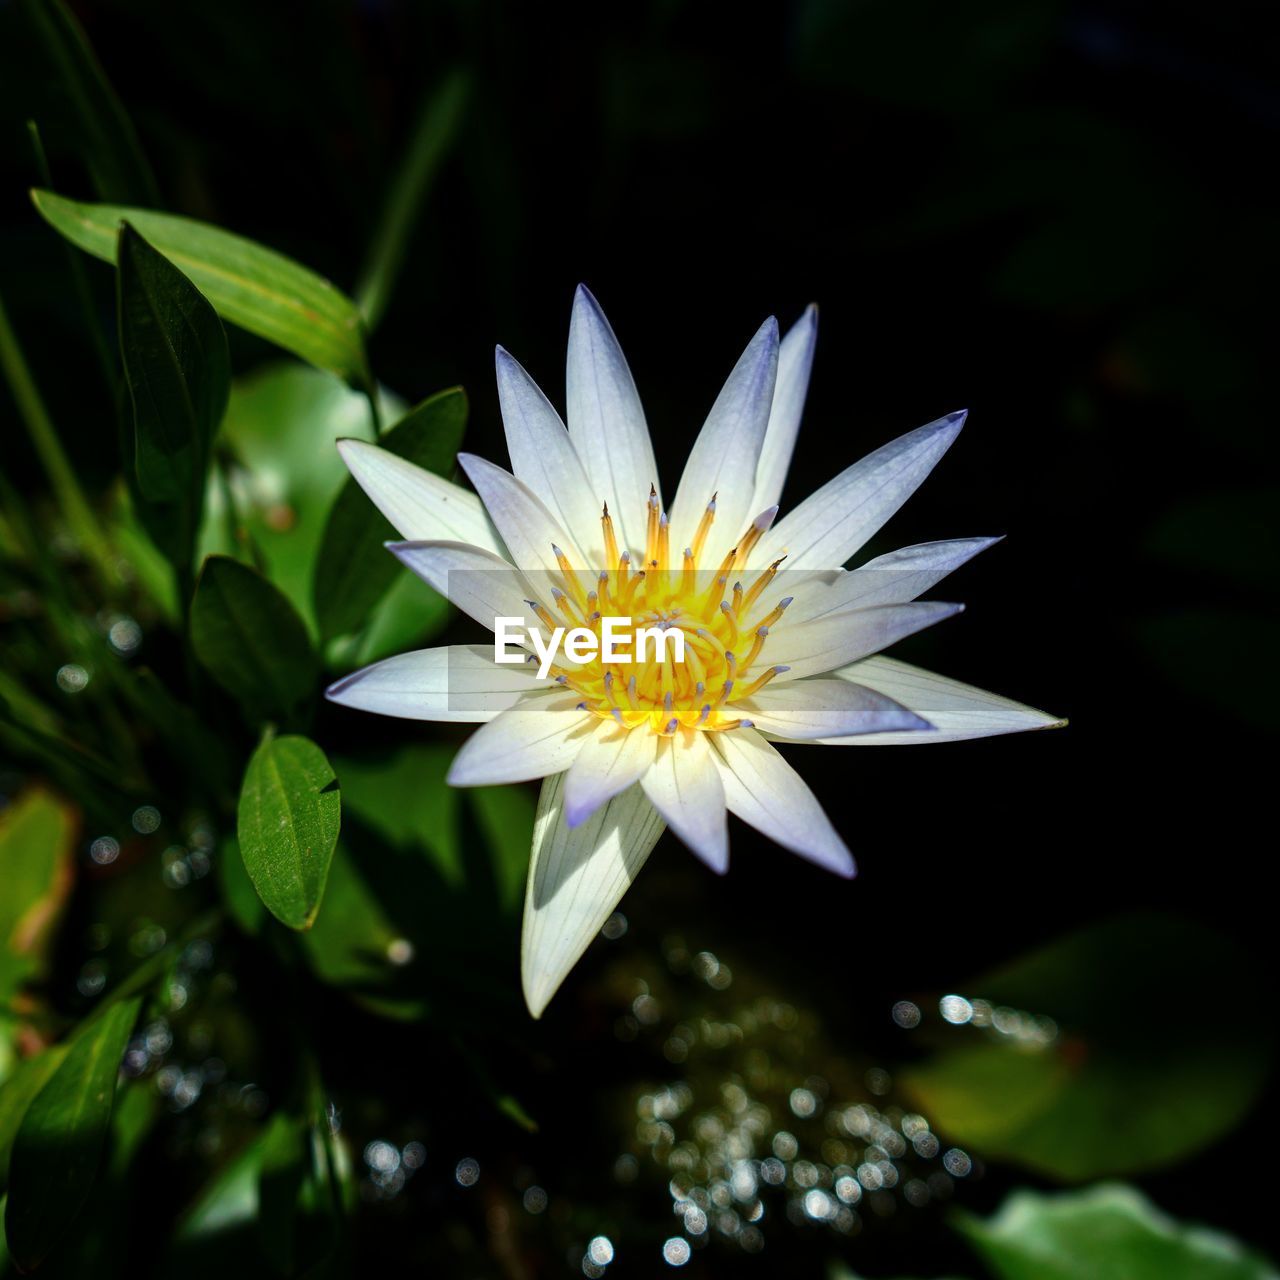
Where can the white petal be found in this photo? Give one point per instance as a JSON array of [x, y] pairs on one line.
[[420, 504], [608, 763], [459, 682], [606, 422], [543, 457], [807, 709], [795, 359], [727, 450], [764, 790], [830, 526], [537, 737], [576, 878], [484, 586], [529, 530], [813, 648], [684, 786], [894, 578], [957, 711]]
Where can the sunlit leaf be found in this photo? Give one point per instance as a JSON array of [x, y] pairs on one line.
[[1129, 1081], [37, 834], [249, 285], [107, 140], [288, 820], [251, 640], [58, 1145], [1109, 1232], [178, 372], [354, 570]]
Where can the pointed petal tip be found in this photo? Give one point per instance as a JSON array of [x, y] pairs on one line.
[[338, 687], [536, 1003], [576, 814], [584, 301]]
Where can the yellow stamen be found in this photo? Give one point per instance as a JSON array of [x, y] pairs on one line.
[[704, 527]]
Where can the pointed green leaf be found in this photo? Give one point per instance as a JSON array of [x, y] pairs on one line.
[[105, 134], [15, 1097], [1109, 1232], [354, 570], [251, 640], [178, 371], [251, 286], [289, 816], [58, 1146]]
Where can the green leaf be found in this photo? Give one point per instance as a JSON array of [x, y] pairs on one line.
[[351, 943], [251, 640], [289, 816], [16, 1095], [107, 140], [58, 1146], [178, 371], [354, 570], [505, 816], [37, 832], [249, 285], [1108, 1232], [1128, 1082], [283, 469], [278, 1199], [405, 799], [407, 617], [297, 1196], [433, 136]]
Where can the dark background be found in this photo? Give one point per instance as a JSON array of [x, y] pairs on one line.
[[1056, 215]]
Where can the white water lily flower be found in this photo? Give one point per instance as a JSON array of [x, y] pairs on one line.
[[578, 530]]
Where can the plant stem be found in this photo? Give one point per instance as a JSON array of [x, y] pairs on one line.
[[433, 136], [66, 487]]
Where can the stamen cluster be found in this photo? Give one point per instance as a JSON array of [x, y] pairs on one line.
[[725, 628]]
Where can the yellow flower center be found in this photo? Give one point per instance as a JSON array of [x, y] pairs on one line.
[[724, 619]]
